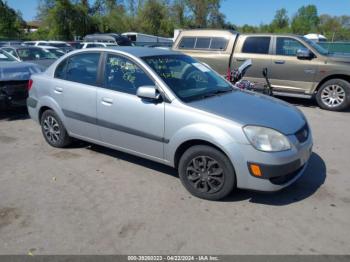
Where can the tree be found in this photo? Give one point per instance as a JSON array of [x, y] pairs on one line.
[[306, 20], [155, 18], [179, 10], [202, 9], [44, 7], [11, 21], [280, 23], [216, 18]]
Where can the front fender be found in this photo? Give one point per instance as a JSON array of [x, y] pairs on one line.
[[198, 131]]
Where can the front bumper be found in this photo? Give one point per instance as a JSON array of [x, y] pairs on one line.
[[278, 169]]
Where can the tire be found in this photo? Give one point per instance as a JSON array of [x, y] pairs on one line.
[[53, 130], [334, 95], [206, 182]]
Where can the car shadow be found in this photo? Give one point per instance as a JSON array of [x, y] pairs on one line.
[[12, 114], [313, 177], [133, 159], [307, 185]]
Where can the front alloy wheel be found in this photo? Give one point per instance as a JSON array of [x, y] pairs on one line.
[[206, 172]]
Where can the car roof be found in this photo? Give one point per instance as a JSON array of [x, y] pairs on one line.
[[207, 32], [47, 47], [143, 51]]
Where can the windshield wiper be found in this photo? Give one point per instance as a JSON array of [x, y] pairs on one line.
[[217, 92]]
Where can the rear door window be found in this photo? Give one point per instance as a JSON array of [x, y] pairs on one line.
[[83, 68], [256, 45]]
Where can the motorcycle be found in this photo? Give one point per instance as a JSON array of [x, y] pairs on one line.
[[235, 76]]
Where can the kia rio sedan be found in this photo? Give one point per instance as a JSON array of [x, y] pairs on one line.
[[170, 108]]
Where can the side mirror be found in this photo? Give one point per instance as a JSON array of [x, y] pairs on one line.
[[148, 92], [304, 54]]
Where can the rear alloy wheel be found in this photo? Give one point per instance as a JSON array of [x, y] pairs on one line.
[[53, 130], [206, 172], [334, 95]]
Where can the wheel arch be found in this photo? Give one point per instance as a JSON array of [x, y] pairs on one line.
[[181, 149], [331, 77], [46, 103], [42, 110]]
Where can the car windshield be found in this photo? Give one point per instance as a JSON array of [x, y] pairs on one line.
[[188, 79], [6, 57], [27, 54], [318, 48], [56, 52]]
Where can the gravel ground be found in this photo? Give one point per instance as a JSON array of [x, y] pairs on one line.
[[92, 200]]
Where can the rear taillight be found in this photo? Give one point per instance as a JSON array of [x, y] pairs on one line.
[[30, 84]]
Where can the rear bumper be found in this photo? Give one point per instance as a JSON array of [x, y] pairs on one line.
[[32, 105], [13, 93]]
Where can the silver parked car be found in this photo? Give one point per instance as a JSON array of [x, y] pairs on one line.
[[170, 108]]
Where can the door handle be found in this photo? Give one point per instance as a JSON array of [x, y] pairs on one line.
[[280, 62], [107, 101], [241, 59], [58, 90]]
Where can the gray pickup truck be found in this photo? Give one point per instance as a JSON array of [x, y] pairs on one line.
[[297, 67]]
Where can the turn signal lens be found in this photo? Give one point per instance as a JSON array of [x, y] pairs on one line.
[[255, 169]]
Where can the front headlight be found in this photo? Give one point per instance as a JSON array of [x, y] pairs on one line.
[[266, 139]]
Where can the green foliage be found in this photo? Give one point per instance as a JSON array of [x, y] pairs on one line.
[[306, 20], [66, 19], [10, 22], [281, 21]]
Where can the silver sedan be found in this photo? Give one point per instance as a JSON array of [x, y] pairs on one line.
[[170, 108]]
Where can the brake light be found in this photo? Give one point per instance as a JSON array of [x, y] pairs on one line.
[[30, 84]]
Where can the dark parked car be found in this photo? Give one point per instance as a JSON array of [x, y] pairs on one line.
[[14, 77], [76, 44], [31, 54]]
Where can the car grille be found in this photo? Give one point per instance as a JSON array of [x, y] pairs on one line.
[[303, 134]]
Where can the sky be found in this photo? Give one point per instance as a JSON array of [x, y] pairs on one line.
[[251, 12]]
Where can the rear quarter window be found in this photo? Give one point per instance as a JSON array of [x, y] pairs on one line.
[[211, 43], [187, 43], [202, 43], [256, 45], [218, 43], [61, 70]]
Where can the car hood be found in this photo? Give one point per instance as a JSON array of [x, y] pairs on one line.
[[248, 108], [17, 71], [44, 63], [339, 58]]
